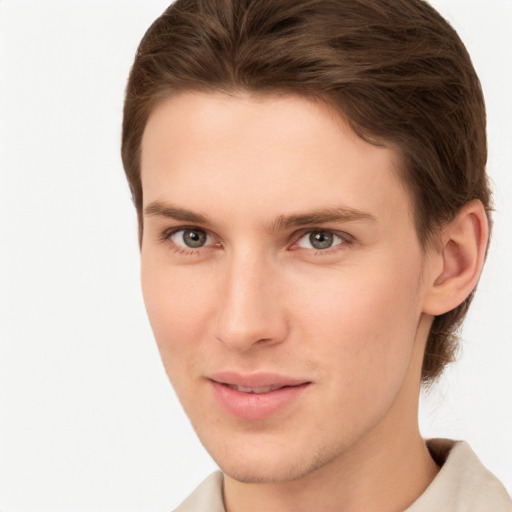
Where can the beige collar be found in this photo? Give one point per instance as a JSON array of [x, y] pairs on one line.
[[463, 484]]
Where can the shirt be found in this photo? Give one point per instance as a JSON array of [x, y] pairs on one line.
[[462, 485]]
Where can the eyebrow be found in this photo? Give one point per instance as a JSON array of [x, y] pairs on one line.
[[321, 216], [157, 208]]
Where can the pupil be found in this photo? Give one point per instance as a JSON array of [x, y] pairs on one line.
[[194, 239], [321, 239]]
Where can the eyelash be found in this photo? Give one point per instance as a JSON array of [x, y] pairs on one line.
[[346, 239], [184, 251]]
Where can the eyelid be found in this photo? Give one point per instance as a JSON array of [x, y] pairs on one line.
[[345, 237], [167, 234]]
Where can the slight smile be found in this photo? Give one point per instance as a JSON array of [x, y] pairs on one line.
[[256, 396]]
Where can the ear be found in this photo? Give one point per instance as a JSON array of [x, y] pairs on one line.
[[455, 263]]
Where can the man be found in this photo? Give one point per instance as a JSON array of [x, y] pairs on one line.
[[313, 209]]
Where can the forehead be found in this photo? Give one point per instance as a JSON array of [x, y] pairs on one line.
[[266, 153]]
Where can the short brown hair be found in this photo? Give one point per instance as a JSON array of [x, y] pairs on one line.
[[394, 69]]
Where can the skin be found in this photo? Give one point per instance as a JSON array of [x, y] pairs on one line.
[[351, 319]]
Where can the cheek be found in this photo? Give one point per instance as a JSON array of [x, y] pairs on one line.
[[365, 337], [177, 303], [368, 319]]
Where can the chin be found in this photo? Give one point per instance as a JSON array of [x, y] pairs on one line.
[[250, 474], [277, 467]]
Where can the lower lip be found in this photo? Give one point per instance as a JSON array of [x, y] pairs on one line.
[[255, 406]]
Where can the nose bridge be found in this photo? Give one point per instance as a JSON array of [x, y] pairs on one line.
[[249, 309]]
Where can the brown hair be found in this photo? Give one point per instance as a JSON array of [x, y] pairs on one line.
[[394, 69]]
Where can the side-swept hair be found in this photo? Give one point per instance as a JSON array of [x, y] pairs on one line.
[[395, 70]]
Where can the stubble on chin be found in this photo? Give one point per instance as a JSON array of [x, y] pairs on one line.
[[277, 469]]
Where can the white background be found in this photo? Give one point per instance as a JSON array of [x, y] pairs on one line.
[[88, 421]]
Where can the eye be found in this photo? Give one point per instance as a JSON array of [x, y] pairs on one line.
[[320, 240], [190, 238]]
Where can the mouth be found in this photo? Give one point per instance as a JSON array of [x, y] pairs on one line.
[[258, 390], [257, 382], [257, 396]]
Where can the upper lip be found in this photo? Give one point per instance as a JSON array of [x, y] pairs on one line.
[[256, 380]]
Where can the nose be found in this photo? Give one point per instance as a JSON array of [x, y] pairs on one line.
[[250, 309]]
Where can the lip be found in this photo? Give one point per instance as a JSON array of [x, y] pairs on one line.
[[261, 403]]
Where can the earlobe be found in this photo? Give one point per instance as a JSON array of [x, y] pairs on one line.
[[458, 260]]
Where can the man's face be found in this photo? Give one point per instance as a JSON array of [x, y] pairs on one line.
[[283, 279]]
